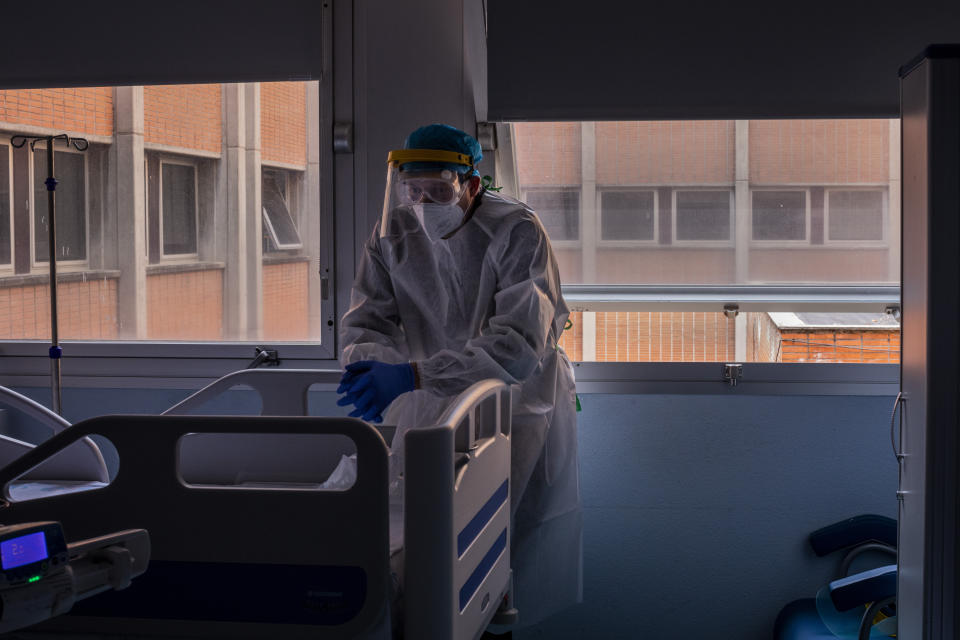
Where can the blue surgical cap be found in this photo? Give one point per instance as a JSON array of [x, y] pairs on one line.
[[445, 138]]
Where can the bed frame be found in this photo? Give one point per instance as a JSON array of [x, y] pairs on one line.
[[276, 556]]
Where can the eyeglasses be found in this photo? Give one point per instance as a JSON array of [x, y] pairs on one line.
[[438, 190]]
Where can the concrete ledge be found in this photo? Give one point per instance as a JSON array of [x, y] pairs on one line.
[[186, 267], [283, 259], [182, 151], [35, 279]]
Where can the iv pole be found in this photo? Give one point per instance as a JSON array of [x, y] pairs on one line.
[[55, 351]]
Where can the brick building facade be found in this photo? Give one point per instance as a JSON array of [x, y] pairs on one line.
[[190, 218], [184, 220], [769, 202]]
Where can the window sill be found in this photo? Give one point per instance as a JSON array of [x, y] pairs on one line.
[[34, 279], [280, 258], [186, 267]]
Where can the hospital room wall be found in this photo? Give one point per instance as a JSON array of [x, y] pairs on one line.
[[696, 507], [433, 70]]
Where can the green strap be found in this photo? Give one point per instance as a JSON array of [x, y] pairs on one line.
[[487, 183]]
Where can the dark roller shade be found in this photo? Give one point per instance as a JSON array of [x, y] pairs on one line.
[[68, 43], [619, 59]]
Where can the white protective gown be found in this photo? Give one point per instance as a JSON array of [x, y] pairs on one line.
[[485, 303]]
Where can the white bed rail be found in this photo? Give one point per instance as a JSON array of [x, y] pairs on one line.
[[457, 516], [82, 462], [283, 392]]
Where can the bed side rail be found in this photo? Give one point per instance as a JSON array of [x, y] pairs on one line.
[[457, 516], [222, 536], [83, 461], [283, 392]]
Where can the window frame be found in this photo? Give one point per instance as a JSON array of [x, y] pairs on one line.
[[774, 244], [561, 244], [189, 365], [291, 196], [628, 244], [177, 258], [729, 243], [9, 269], [883, 243], [63, 266]]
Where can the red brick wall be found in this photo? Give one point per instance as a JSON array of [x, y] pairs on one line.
[[819, 151], [283, 122], [285, 301], [820, 265], [186, 116], [185, 306], [548, 153], [631, 336], [86, 311], [571, 340], [665, 266], [664, 153], [840, 346], [86, 110]]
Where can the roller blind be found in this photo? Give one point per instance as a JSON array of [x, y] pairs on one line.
[[623, 60], [70, 43]]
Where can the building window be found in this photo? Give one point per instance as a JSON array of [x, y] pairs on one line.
[[855, 215], [71, 206], [628, 215], [6, 223], [780, 215], [178, 207], [703, 216], [558, 210], [279, 194]]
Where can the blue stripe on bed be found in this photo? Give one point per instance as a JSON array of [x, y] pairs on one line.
[[476, 578], [479, 521]]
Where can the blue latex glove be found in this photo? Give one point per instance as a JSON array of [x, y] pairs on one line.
[[371, 386]]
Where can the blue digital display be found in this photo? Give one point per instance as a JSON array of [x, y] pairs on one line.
[[27, 549]]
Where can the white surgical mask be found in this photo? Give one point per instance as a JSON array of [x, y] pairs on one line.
[[438, 219]]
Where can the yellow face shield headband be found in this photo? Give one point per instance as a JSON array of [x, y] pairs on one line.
[[402, 156]]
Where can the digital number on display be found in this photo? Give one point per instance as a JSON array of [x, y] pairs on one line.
[[27, 549]]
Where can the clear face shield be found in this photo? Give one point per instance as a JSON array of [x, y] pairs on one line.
[[422, 192]]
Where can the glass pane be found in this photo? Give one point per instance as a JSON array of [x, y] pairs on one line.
[[774, 179], [627, 215], [779, 215], [674, 336], [703, 215], [746, 202], [179, 207], [6, 236], [279, 224], [559, 210], [186, 199], [70, 202], [855, 215]]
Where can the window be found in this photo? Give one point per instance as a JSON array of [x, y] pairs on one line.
[[559, 211], [684, 218], [278, 195], [178, 206], [779, 215], [855, 215], [628, 215], [6, 223], [701, 216], [186, 275], [70, 202]]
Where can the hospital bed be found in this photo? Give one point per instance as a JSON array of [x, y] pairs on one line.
[[247, 543]]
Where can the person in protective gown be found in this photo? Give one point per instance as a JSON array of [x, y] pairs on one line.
[[457, 284]]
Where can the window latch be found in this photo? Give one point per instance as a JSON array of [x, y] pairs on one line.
[[732, 373], [264, 356]]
